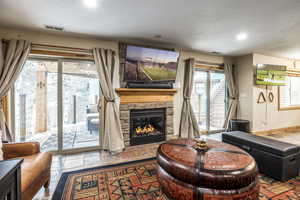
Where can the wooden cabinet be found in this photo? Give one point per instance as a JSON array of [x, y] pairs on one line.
[[10, 179]]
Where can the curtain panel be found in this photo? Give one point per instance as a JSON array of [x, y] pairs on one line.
[[188, 123], [13, 55], [232, 95], [112, 137]]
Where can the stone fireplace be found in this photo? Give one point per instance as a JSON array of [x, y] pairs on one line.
[[146, 115]]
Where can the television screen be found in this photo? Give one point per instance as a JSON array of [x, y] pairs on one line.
[[148, 65], [271, 75]]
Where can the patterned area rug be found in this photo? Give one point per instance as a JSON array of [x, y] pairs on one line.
[[137, 181]]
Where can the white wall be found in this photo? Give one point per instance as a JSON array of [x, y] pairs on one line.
[[264, 116], [244, 82], [267, 116], [88, 43], [56, 39]]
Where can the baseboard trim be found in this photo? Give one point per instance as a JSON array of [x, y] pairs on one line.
[[278, 131]]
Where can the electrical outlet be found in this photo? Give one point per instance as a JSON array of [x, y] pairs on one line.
[[264, 124]]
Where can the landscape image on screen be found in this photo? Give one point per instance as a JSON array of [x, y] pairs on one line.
[[273, 75], [147, 64]]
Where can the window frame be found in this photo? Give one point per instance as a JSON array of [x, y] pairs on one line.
[[209, 69], [292, 107], [60, 149]]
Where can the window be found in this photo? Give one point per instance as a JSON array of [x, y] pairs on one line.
[[56, 103], [289, 95], [208, 99]]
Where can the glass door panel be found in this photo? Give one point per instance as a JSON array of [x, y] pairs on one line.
[[199, 99], [208, 99], [35, 93], [80, 113], [217, 101]]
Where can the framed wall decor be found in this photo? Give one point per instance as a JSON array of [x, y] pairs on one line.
[[261, 98], [271, 97]]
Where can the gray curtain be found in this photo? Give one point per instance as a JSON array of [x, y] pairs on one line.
[[112, 137], [232, 95], [13, 55], [188, 123]]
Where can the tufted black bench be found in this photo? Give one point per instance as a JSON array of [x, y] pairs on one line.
[[275, 159]]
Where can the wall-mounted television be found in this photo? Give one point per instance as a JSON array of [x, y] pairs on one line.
[[273, 75], [144, 64]]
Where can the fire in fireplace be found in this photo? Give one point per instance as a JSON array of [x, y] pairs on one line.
[[146, 130], [147, 126]]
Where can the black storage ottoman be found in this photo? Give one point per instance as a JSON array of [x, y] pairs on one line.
[[275, 159]]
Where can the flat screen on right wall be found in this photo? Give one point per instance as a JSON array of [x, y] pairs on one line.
[[273, 75]]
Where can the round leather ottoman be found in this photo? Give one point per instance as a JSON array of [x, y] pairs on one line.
[[222, 171]]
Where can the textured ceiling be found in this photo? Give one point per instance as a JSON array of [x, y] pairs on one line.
[[273, 26]]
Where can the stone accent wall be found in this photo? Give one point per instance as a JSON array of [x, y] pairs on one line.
[[125, 117]]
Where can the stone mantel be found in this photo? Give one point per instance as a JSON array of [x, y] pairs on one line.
[[141, 95]]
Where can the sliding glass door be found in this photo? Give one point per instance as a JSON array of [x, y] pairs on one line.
[[80, 95], [208, 100], [56, 104], [35, 111], [200, 98], [217, 101]]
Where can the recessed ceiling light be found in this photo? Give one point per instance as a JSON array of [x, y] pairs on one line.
[[90, 3], [241, 36]]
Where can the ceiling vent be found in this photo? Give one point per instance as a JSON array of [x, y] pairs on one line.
[[54, 28]]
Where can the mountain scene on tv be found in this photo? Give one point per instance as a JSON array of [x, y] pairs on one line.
[[146, 64]]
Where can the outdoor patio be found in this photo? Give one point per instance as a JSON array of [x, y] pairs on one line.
[[74, 136]]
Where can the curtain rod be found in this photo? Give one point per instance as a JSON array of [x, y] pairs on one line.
[[61, 51], [62, 48], [37, 45]]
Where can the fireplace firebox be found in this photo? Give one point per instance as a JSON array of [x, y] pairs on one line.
[[147, 126]]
